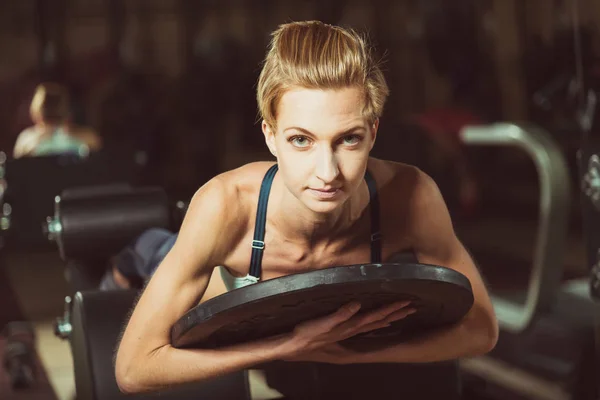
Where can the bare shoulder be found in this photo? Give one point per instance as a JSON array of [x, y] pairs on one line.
[[226, 203], [405, 191], [397, 179], [249, 175], [29, 136], [232, 190], [218, 199], [26, 142], [29, 132], [412, 195], [247, 180]]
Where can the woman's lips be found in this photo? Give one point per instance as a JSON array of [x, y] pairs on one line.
[[325, 193]]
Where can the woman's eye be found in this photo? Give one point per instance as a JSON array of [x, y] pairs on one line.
[[299, 141], [352, 139]]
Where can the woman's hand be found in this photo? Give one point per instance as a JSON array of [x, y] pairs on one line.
[[320, 336]]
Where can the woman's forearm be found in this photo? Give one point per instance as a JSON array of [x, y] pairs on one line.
[[464, 339], [169, 366]]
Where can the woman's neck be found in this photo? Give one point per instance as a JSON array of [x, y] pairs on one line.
[[298, 224]]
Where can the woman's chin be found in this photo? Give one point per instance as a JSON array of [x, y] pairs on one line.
[[323, 207]]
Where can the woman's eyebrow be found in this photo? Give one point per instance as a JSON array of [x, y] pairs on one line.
[[309, 133]]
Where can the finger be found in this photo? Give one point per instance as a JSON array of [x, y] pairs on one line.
[[351, 326], [371, 327], [400, 314], [344, 313], [396, 316], [382, 313], [331, 321]]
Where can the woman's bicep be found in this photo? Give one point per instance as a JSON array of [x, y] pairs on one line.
[[181, 279]]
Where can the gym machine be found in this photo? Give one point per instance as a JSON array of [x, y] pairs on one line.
[[30, 185], [27, 189], [89, 225], [547, 347]]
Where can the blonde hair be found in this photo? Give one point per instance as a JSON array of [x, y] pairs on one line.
[[315, 55], [50, 103]]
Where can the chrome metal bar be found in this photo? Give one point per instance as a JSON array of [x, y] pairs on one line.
[[554, 206]]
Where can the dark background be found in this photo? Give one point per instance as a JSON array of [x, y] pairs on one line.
[[177, 78]]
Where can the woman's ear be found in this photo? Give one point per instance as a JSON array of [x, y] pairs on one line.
[[373, 130], [269, 137]]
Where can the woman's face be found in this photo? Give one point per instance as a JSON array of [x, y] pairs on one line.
[[322, 144]]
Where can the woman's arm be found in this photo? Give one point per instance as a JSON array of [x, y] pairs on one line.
[[435, 242], [145, 359]]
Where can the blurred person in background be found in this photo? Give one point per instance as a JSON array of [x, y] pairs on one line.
[[52, 132]]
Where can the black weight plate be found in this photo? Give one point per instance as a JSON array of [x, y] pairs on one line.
[[440, 295]]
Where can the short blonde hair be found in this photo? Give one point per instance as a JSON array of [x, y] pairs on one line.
[[50, 103], [315, 55]]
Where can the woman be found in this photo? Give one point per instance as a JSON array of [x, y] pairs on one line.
[[52, 133], [320, 94]]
